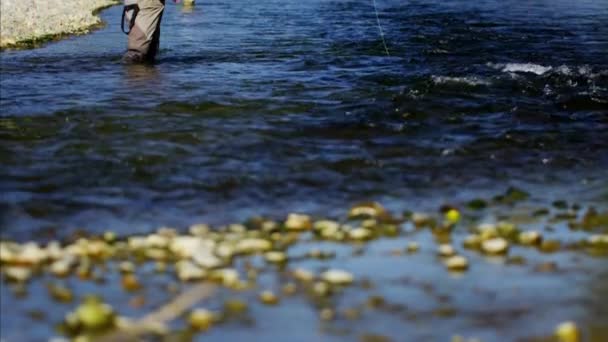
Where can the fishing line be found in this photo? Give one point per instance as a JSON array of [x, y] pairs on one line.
[[380, 28]]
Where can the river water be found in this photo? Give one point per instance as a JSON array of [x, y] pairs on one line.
[[267, 107]]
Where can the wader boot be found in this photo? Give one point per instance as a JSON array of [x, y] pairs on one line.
[[143, 18]]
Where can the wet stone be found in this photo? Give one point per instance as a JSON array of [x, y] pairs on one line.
[[360, 234], [337, 277], [327, 314], [456, 263], [298, 222], [567, 332], [549, 246], [93, 314], [446, 250], [303, 275], [275, 257], [201, 319], [495, 246], [531, 237], [19, 274], [268, 298], [367, 210]]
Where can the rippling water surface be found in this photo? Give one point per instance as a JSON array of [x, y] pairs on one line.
[[270, 106], [267, 107]]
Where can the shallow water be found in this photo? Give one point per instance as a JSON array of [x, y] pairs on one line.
[[268, 107], [273, 106]]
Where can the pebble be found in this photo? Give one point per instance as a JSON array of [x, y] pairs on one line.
[[327, 314], [452, 216], [298, 222], [598, 240], [337, 277], [187, 271], [326, 225], [228, 276], [487, 231], [472, 241], [320, 289], [206, 259], [16, 273], [495, 246], [372, 209], [531, 237], [157, 241], [268, 298], [446, 250], [60, 293], [130, 282], [201, 319], [126, 267], [31, 254], [253, 245], [457, 263], [93, 314], [63, 266], [360, 234], [186, 246], [199, 229], [567, 332], [275, 257], [235, 306], [412, 247], [303, 275], [421, 219], [549, 246]]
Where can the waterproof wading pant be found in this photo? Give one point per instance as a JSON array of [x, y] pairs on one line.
[[144, 37]]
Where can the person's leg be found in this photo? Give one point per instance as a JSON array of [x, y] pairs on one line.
[[144, 35], [155, 44]]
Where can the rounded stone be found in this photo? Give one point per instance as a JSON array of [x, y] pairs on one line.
[[327, 314], [253, 245], [268, 298], [303, 275], [457, 263], [201, 319], [531, 237], [567, 332], [337, 277], [412, 247], [495, 246], [275, 257], [93, 314], [446, 250], [360, 234]]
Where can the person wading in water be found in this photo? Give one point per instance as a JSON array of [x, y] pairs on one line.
[[143, 18]]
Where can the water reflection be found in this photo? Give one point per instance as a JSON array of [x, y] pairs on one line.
[[141, 73]]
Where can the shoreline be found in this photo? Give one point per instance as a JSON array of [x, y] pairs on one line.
[[30, 24]]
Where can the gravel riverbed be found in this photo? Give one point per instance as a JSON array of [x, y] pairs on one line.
[[26, 21]]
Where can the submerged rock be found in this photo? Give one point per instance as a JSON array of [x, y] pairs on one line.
[[93, 314], [567, 332], [253, 245], [367, 210], [268, 298], [495, 246], [531, 237], [298, 222], [457, 263], [337, 277], [201, 319], [446, 250], [275, 257]]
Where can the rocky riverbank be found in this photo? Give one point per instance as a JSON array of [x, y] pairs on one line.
[[416, 267], [25, 23]]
